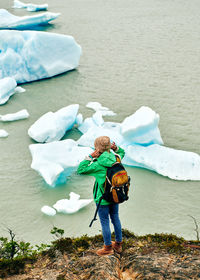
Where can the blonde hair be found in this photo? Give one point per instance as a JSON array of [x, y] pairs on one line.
[[102, 144]]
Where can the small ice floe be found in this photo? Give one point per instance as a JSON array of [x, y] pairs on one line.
[[3, 133], [47, 210], [52, 126], [30, 7], [10, 21], [96, 106], [8, 87], [20, 115], [57, 160], [33, 55], [71, 205]]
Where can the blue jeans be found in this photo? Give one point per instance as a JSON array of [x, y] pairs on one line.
[[112, 211]]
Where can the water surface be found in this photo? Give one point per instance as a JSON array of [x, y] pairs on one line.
[[135, 53]]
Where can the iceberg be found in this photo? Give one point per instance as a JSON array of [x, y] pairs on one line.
[[72, 205], [3, 133], [139, 128], [57, 160], [32, 55], [10, 21], [47, 210], [142, 127], [175, 164], [20, 115], [52, 126], [8, 87], [30, 7]]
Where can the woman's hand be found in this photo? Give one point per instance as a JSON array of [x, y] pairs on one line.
[[113, 146], [95, 154]]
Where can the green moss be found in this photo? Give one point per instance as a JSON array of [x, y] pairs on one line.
[[128, 234], [82, 242], [13, 266], [64, 245]]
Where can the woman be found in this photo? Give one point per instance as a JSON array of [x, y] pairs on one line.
[[96, 165]]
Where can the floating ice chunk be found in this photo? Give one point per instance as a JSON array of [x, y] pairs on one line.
[[98, 107], [19, 89], [20, 115], [32, 55], [175, 164], [52, 126], [141, 121], [7, 89], [57, 160], [72, 205], [142, 127], [30, 7], [9, 21], [3, 133], [48, 210]]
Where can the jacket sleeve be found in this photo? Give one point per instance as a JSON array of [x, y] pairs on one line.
[[120, 152], [88, 167]]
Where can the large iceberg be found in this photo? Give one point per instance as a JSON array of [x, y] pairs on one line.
[[20, 115], [29, 6], [9, 21], [32, 55], [175, 164], [52, 126], [57, 160], [8, 87]]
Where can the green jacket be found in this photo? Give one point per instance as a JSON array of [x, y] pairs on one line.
[[98, 168]]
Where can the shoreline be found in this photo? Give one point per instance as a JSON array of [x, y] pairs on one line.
[[157, 256]]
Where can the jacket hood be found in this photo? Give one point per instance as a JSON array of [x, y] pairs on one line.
[[106, 159]]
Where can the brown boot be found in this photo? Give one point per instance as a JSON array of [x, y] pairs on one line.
[[117, 246], [105, 251]]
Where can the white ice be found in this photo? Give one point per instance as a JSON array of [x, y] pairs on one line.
[[72, 205], [96, 106], [139, 128], [32, 55], [52, 126], [3, 133], [10, 21], [57, 160], [29, 6], [47, 210], [142, 127], [8, 87], [175, 164], [20, 115]]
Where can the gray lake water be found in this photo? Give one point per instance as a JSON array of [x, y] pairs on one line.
[[135, 53]]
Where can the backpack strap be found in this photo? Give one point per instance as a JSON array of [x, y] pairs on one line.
[[95, 214]]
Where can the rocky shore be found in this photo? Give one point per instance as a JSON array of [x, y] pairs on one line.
[[159, 256]]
